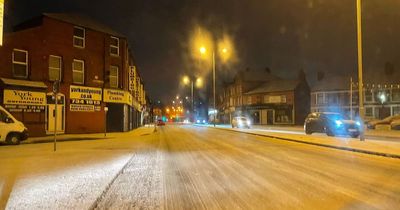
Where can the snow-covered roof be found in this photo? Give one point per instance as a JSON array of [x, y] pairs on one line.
[[83, 21], [23, 83], [275, 86]]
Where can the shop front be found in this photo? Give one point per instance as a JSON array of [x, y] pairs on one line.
[[26, 101]]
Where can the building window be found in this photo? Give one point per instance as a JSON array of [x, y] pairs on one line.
[[54, 68], [78, 71], [395, 95], [113, 76], [395, 110], [332, 98], [320, 98], [20, 63], [369, 96], [114, 46], [79, 37], [369, 111], [283, 116]]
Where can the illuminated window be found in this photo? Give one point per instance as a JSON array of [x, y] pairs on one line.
[[369, 112], [369, 96], [396, 95], [54, 68], [114, 46], [320, 98], [113, 77], [79, 37], [78, 71], [20, 63]]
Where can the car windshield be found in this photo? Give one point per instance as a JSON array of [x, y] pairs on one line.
[[336, 116]]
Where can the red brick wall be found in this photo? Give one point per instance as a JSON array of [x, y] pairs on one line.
[[54, 37]]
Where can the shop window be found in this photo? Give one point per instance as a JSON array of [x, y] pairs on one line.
[[113, 76], [79, 37], [332, 98], [78, 71], [283, 116], [395, 95], [20, 63], [54, 68], [114, 46]]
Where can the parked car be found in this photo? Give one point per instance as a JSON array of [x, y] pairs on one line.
[[332, 124], [12, 131], [387, 121], [395, 125], [160, 123], [241, 122]]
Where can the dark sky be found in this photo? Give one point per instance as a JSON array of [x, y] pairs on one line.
[[284, 35]]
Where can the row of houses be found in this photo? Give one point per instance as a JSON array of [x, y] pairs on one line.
[[270, 100], [99, 85]]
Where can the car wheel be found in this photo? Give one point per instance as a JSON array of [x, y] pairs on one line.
[[354, 135], [329, 132], [13, 139], [308, 130]]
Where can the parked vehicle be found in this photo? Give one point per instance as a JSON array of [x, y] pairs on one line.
[[387, 121], [160, 122], [332, 124], [241, 122], [395, 125], [12, 131]]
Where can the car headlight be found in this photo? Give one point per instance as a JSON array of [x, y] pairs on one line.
[[197, 121], [358, 123], [338, 122], [204, 121], [248, 122]]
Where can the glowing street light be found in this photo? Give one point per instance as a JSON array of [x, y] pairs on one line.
[[199, 82]]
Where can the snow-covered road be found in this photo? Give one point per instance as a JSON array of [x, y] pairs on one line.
[[186, 167]]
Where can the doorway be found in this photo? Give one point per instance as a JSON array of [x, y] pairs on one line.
[[51, 114]]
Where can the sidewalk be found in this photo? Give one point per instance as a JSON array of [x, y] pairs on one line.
[[146, 130], [374, 147]]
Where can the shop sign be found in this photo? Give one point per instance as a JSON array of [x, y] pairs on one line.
[[114, 96], [85, 99], [132, 78], [276, 99], [24, 101]]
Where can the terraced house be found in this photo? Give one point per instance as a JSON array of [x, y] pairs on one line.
[[99, 82]]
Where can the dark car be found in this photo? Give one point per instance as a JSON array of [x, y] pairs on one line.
[[332, 124]]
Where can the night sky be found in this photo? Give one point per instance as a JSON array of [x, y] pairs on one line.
[[284, 35]]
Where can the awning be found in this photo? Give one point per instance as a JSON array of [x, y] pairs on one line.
[[23, 83]]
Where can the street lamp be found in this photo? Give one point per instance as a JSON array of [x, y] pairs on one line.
[[199, 82], [224, 51], [360, 70]]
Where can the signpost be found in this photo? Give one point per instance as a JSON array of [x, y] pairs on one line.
[[56, 89], [105, 121]]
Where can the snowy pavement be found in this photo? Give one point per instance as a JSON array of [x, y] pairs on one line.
[[188, 167]]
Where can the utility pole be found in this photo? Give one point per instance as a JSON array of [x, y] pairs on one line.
[[215, 111], [351, 98], [360, 70], [56, 89]]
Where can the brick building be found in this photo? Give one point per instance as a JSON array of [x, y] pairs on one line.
[[93, 64], [265, 98]]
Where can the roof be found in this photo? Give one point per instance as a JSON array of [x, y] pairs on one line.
[[23, 83], [257, 76], [275, 86], [331, 83], [83, 21]]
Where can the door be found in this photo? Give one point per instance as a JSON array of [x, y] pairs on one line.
[[270, 117], [51, 114]]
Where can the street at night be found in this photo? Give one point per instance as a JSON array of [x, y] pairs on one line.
[[190, 167]]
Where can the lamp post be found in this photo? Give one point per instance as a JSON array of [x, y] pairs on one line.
[[360, 70], [186, 81]]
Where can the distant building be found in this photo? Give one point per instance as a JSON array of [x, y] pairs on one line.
[[265, 98], [93, 64], [381, 95]]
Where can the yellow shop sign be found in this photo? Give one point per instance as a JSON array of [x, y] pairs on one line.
[[114, 96], [86, 93], [22, 97]]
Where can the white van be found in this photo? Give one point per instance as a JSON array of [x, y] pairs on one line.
[[12, 131]]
